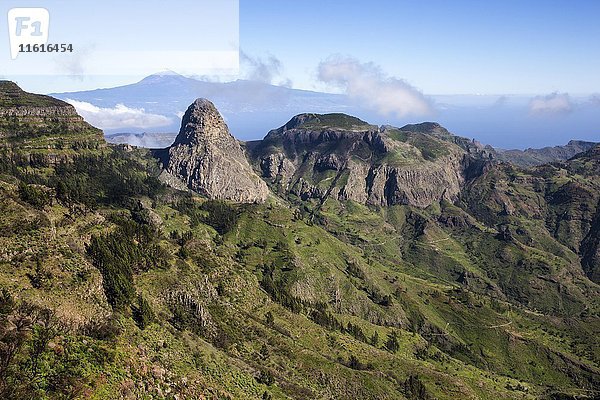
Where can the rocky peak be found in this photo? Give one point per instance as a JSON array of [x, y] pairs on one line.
[[305, 132], [299, 120], [209, 160], [13, 97], [202, 122], [9, 91], [23, 113], [342, 157], [581, 143]]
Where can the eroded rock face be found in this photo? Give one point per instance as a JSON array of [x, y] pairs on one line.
[[590, 251], [360, 162], [417, 185], [210, 161]]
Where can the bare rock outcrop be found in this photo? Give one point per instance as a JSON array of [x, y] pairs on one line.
[[342, 157], [209, 160], [418, 185]]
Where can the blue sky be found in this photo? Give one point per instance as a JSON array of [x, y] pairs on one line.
[[441, 47], [116, 38]]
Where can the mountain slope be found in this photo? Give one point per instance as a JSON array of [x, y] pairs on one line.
[[561, 198], [115, 286], [42, 130]]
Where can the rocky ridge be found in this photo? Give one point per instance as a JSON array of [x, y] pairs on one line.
[[333, 155], [483, 297], [562, 197], [320, 156], [534, 157], [26, 114]]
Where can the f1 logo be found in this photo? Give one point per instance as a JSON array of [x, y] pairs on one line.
[[27, 26]]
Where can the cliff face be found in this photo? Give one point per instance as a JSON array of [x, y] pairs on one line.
[[590, 250], [209, 160], [418, 186], [29, 115], [41, 130], [334, 155]]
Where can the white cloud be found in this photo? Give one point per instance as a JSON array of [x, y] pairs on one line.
[[264, 71], [118, 117], [73, 64], [366, 83], [554, 103]]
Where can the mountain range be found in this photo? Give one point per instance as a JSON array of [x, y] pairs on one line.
[[251, 108], [531, 157], [248, 106], [331, 259]]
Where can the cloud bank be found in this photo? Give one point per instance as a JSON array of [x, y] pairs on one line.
[[119, 117], [553, 104], [366, 83]]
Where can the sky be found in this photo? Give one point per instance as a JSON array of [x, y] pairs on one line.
[[403, 60], [440, 47], [122, 39]]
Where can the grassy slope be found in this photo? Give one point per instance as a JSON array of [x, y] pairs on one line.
[[305, 359], [11, 95], [219, 331]]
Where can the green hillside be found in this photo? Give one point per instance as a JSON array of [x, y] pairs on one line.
[[116, 286]]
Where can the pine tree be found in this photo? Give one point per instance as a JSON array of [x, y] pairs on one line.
[[374, 339], [392, 344], [143, 314]]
